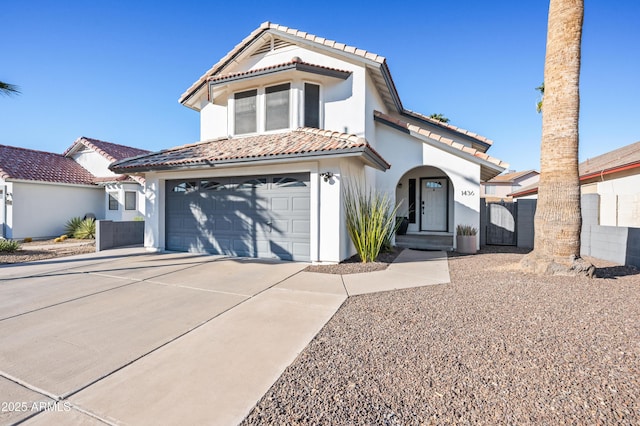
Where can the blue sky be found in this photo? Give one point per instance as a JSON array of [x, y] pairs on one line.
[[113, 70]]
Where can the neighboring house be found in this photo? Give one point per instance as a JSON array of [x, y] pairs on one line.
[[40, 191], [615, 177], [501, 186], [287, 120]]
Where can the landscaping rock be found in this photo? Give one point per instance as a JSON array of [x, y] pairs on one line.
[[495, 346]]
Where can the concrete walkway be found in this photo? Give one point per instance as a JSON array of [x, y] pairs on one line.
[[127, 337]]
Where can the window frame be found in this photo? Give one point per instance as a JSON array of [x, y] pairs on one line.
[[112, 197], [265, 108], [304, 102], [256, 128], [127, 205]]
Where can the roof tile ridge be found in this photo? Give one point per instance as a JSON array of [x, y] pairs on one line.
[[89, 144], [32, 150], [450, 126]]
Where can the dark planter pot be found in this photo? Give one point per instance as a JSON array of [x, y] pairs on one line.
[[466, 244], [403, 225]]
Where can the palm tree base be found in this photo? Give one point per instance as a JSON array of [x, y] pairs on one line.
[[545, 265]]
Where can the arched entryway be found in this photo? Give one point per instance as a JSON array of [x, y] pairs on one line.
[[426, 194]]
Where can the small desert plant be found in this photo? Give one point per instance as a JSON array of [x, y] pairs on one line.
[[370, 220], [9, 246], [27, 240], [466, 230], [64, 237], [57, 240], [72, 225], [86, 230]]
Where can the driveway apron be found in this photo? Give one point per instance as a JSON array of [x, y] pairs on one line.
[[139, 338]]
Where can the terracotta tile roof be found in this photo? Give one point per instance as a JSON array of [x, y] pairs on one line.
[[296, 144], [285, 30], [611, 160], [625, 158], [28, 164], [448, 126], [111, 151], [273, 68], [419, 131], [511, 177], [381, 75]]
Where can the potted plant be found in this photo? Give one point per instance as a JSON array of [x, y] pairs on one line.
[[466, 239], [402, 224]]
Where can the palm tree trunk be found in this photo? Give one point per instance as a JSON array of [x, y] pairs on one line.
[[558, 218]]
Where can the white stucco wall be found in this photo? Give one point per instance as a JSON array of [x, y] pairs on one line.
[[405, 153], [620, 201], [119, 190], [40, 210], [95, 163], [341, 100]]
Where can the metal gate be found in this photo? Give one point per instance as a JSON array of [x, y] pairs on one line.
[[501, 224]]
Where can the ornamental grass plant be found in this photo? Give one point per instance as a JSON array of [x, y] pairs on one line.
[[9, 246], [86, 230], [370, 220]]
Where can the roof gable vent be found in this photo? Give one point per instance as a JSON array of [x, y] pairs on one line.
[[270, 45]]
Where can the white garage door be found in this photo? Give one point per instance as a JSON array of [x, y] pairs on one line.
[[251, 216]]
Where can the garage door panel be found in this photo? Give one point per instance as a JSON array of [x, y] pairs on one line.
[[300, 226], [280, 204], [263, 216], [302, 204]]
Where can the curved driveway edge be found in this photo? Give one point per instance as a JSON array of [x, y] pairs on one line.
[[169, 338]]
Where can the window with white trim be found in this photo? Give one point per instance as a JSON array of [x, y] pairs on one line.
[[311, 105], [277, 114], [490, 189], [246, 111], [113, 201], [130, 200]]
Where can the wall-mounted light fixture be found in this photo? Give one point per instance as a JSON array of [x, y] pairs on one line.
[[326, 176]]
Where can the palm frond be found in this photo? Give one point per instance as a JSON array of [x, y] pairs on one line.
[[8, 89]]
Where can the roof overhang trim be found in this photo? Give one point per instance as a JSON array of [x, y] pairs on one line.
[[488, 170], [368, 156]]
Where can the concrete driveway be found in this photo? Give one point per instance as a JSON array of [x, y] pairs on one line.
[[128, 337], [137, 338]]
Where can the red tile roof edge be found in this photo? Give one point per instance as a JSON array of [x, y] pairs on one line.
[[356, 141], [449, 126], [438, 138], [265, 26], [295, 60]]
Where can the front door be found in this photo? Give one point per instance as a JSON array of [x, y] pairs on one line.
[[433, 204]]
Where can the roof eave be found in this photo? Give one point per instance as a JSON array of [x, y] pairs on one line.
[[368, 157]]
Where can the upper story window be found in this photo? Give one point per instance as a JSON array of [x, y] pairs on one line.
[[277, 107], [311, 105], [271, 108], [246, 111]]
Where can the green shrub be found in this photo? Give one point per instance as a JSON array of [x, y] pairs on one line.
[[370, 220], [27, 240], [86, 230], [72, 225], [466, 230], [138, 219], [9, 246]]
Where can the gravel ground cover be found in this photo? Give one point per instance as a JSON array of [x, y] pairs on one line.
[[354, 265], [48, 249], [495, 346]]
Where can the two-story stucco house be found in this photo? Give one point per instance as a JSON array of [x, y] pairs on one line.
[[40, 191], [288, 119]]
